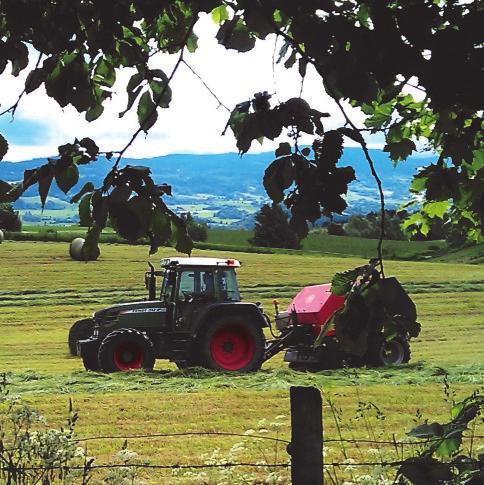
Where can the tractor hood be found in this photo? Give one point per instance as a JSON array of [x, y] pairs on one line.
[[129, 308]]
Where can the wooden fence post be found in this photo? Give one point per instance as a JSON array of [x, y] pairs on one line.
[[306, 446]]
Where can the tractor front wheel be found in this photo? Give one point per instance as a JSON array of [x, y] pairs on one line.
[[382, 352], [80, 330], [126, 349], [232, 344]]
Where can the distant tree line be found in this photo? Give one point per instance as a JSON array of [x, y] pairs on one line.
[[273, 229], [369, 226]]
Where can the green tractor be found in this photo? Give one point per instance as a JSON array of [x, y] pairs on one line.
[[196, 318]]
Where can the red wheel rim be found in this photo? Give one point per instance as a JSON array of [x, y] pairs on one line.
[[128, 356], [232, 347]]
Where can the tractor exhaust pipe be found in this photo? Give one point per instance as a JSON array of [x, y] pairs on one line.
[[150, 280]]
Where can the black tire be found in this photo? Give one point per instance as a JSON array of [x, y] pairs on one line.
[[81, 330], [90, 361], [126, 349], [381, 352], [232, 344]]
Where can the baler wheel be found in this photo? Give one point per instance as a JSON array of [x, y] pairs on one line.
[[80, 330], [232, 343], [126, 349], [382, 352]]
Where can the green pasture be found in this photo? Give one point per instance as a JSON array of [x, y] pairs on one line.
[[43, 292], [319, 241]]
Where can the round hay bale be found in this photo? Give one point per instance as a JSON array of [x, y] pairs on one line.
[[2, 237], [75, 250]]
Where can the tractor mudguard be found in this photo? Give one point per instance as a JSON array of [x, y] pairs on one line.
[[249, 310]]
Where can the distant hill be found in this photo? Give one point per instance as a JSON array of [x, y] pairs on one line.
[[227, 189]]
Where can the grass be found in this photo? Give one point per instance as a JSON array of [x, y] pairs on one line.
[[43, 292], [319, 241]]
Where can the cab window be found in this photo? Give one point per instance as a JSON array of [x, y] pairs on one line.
[[196, 283], [227, 283]]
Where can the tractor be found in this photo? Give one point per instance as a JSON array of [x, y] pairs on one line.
[[197, 318]]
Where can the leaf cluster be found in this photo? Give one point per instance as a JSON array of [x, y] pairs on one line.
[[445, 442], [366, 52]]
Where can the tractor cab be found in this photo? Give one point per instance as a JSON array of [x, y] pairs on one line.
[[188, 280]]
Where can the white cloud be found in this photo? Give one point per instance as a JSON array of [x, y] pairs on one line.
[[194, 121]]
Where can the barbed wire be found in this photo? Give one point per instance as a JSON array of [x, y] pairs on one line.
[[145, 465], [421, 441], [181, 434]]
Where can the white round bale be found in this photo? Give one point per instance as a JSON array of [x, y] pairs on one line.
[[2, 237], [75, 250]]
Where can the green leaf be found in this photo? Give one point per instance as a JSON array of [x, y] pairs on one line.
[[147, 114], [283, 149], [120, 194], [192, 43], [91, 148], [448, 447], [279, 176], [400, 150], [90, 248], [477, 162], [181, 239], [161, 93], [132, 95], [434, 430], [44, 185], [105, 73], [363, 15], [355, 135], [418, 184], [3, 147], [34, 79], [67, 177], [436, 209], [94, 113], [85, 210], [343, 281], [88, 187], [219, 14], [160, 229], [234, 34]]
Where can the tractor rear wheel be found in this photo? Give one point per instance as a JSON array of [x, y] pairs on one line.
[[126, 349], [80, 330], [233, 344], [382, 352]]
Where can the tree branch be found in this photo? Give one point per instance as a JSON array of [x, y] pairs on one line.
[[14, 106], [363, 144], [207, 87], [364, 147], [163, 91]]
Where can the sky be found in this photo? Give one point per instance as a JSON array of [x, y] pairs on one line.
[[193, 123]]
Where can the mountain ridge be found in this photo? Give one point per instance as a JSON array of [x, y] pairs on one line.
[[206, 184]]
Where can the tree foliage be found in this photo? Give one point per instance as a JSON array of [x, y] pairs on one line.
[[9, 218], [196, 230], [369, 225], [367, 52], [272, 229]]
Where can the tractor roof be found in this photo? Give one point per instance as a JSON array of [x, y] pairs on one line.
[[212, 262]]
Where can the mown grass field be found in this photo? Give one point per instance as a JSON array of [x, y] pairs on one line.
[[43, 292]]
